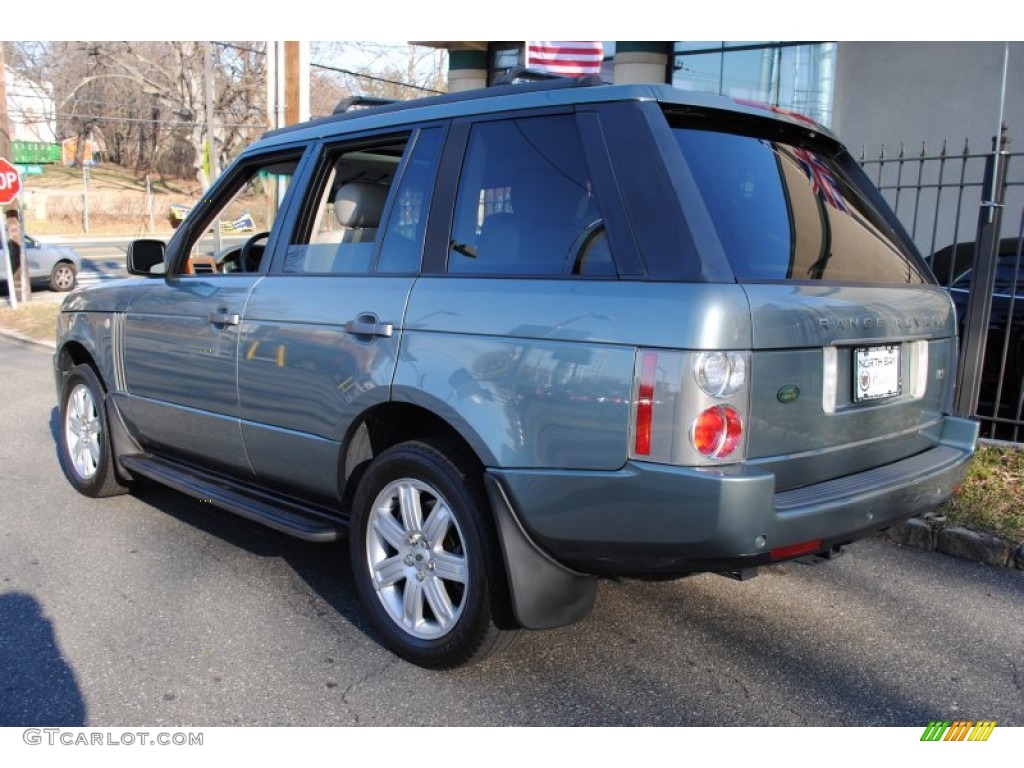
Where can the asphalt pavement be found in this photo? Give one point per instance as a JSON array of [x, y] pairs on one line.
[[157, 609]]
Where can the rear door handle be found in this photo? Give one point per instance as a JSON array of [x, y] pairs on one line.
[[369, 328], [223, 317]]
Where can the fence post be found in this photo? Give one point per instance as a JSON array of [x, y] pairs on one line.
[[979, 303], [85, 197], [149, 203]]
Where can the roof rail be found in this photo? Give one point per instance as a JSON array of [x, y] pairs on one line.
[[447, 98], [517, 75], [360, 102]]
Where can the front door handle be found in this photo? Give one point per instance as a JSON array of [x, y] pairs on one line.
[[223, 317], [369, 328]]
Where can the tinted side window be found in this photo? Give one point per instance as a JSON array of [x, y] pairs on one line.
[[789, 213], [526, 204], [403, 241]]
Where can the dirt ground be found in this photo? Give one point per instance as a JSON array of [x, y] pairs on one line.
[[104, 199]]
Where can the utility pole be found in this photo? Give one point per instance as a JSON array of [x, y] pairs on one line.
[[5, 131], [287, 93], [287, 83], [211, 138], [291, 82], [213, 163]]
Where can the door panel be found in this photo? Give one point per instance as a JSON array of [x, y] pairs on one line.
[[180, 366], [320, 335], [303, 378], [181, 331]]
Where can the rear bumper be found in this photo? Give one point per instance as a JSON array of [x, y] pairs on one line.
[[658, 519]]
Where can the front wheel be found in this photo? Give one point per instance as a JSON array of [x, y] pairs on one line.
[[425, 556], [84, 440]]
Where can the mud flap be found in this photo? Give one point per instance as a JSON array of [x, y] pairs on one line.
[[545, 594]]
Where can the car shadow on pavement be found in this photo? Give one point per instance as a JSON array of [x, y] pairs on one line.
[[324, 567], [37, 686]]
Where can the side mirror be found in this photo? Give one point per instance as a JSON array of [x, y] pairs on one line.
[[143, 255]]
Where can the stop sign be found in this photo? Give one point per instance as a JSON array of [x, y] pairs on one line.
[[10, 182]]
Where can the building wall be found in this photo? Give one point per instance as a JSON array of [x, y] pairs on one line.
[[888, 92], [30, 110], [928, 92]]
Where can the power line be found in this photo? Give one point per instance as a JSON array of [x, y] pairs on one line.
[[237, 47], [340, 70], [114, 119], [374, 78]]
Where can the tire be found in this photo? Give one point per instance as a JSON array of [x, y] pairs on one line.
[[84, 439], [63, 277], [425, 557]]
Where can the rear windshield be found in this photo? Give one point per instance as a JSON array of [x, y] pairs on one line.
[[787, 213]]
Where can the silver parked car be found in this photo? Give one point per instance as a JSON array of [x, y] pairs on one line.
[[57, 265], [508, 342]]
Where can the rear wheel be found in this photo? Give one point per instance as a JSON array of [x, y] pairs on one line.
[[84, 439], [425, 557]]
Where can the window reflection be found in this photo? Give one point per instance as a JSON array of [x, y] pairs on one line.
[[797, 76]]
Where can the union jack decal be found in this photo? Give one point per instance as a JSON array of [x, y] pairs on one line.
[[824, 184]]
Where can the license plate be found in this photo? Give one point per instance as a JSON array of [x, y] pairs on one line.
[[876, 373]]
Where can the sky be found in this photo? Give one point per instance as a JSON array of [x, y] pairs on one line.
[[524, 19]]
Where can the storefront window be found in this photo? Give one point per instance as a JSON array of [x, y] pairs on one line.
[[797, 76]]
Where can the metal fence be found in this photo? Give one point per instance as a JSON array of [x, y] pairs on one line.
[[964, 209]]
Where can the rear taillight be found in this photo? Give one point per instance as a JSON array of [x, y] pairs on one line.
[[717, 432], [720, 374], [689, 408]]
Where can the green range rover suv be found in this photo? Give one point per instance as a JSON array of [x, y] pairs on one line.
[[511, 341]]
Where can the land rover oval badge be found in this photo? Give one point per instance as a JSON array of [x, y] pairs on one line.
[[788, 393]]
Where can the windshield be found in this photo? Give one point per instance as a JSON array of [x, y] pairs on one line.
[[788, 213]]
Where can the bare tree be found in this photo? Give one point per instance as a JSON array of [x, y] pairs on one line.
[[389, 71], [144, 101]]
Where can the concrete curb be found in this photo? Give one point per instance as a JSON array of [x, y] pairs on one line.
[[22, 338], [932, 536]]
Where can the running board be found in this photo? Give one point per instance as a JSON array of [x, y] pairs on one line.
[[288, 515]]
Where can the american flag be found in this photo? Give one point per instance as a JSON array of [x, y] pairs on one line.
[[821, 180], [559, 57]]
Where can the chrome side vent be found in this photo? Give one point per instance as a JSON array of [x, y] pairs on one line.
[[117, 351]]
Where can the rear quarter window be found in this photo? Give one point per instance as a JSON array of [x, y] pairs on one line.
[[788, 213]]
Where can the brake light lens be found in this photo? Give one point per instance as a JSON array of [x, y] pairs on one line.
[[717, 431]]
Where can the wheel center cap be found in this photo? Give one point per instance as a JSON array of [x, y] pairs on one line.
[[418, 556]]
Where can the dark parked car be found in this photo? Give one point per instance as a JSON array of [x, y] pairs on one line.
[[1002, 381], [511, 341]]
